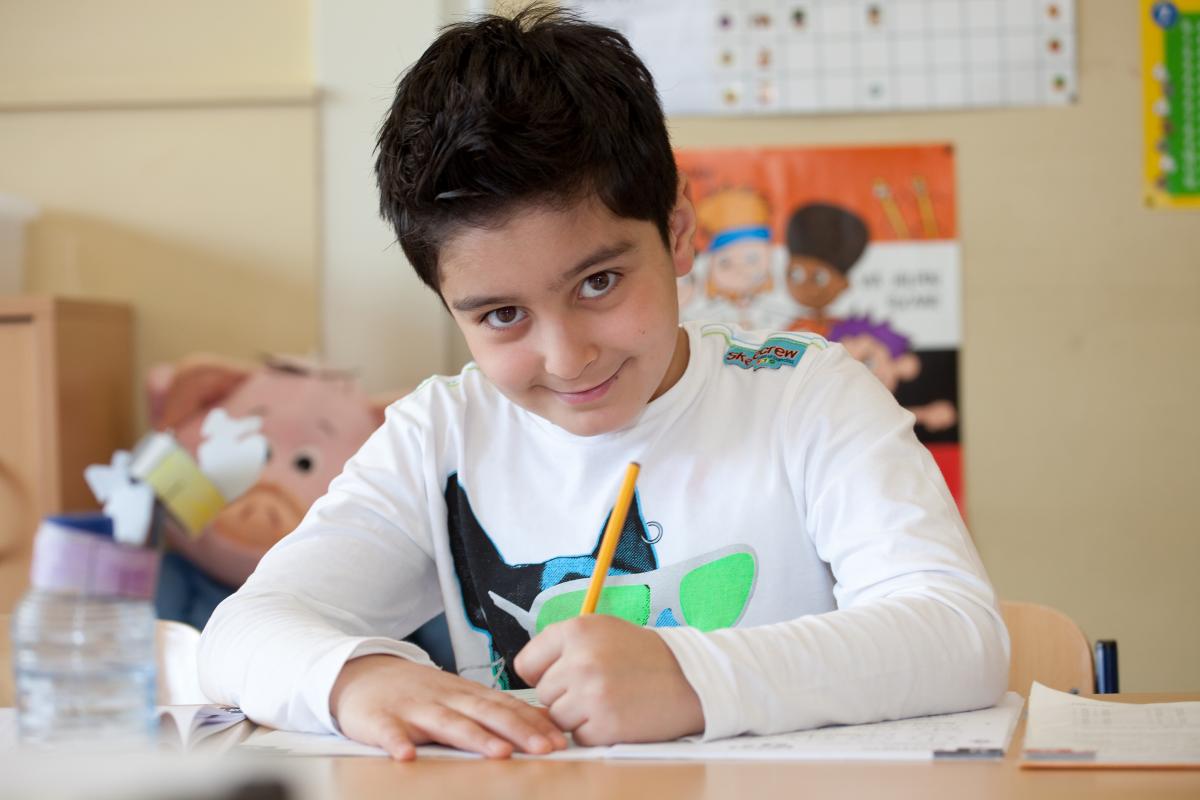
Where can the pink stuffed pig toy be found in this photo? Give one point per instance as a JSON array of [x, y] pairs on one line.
[[313, 421]]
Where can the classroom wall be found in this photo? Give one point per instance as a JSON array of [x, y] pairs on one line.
[[377, 316], [1079, 375], [172, 150]]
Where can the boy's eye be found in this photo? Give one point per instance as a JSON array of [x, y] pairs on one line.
[[504, 317], [598, 285]]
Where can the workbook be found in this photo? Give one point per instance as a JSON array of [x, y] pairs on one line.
[[981, 734], [209, 727], [1065, 730]]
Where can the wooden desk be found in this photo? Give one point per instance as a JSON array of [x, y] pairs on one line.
[[368, 778]]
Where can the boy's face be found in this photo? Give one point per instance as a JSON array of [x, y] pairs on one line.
[[574, 313]]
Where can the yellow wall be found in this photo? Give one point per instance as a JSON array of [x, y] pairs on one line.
[[1080, 368], [172, 150]]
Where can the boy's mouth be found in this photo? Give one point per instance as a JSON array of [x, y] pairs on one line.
[[592, 394]]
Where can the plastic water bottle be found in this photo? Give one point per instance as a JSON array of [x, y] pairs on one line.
[[83, 640]]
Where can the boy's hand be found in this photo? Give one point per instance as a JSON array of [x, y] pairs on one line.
[[609, 681], [396, 704]]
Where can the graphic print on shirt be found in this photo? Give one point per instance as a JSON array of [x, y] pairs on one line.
[[780, 350], [513, 602]]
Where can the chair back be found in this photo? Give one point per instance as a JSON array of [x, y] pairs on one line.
[[175, 645], [1047, 647]]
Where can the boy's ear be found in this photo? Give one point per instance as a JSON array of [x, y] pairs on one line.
[[683, 229]]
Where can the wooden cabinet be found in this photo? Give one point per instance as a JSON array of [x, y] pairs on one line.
[[66, 401]]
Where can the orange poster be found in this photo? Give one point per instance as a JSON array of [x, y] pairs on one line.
[[858, 244]]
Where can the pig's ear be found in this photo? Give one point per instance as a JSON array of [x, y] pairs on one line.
[[177, 392]]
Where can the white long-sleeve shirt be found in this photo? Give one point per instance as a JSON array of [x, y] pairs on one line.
[[790, 540]]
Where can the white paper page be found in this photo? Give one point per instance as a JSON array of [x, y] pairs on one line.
[[315, 744], [527, 695], [972, 734], [1066, 727], [306, 744]]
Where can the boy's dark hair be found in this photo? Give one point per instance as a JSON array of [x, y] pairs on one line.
[[498, 113]]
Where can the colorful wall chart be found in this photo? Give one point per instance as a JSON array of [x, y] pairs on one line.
[[811, 56], [1171, 102], [858, 244]]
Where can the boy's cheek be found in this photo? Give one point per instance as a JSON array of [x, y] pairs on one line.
[[512, 382]]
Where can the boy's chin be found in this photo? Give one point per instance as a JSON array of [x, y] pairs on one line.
[[593, 423]]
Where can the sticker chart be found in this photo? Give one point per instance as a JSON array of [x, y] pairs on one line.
[[738, 57], [1171, 102]]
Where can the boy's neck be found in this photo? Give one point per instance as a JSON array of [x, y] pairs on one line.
[[678, 365]]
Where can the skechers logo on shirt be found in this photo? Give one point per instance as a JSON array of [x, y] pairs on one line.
[[774, 353]]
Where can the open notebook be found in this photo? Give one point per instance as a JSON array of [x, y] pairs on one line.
[[212, 728], [985, 733]]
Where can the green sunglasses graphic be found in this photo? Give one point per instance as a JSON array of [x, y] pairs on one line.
[[707, 592]]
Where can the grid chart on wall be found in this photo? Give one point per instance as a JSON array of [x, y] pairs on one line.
[[813, 56]]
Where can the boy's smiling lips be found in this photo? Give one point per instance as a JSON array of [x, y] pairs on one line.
[[592, 394]]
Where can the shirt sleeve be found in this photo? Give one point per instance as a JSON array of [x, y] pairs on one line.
[[356, 576], [916, 630]]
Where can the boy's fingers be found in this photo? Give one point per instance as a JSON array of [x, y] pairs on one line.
[[503, 719], [586, 735], [539, 718], [554, 683], [450, 727], [537, 656], [392, 737], [569, 715]]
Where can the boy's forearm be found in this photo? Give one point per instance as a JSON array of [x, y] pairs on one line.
[[269, 655], [910, 654]]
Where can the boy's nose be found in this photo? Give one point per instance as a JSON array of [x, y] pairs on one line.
[[568, 353]]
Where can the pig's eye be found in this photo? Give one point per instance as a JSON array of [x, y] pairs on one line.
[[304, 461]]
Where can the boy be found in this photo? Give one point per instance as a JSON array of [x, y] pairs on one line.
[[791, 559]]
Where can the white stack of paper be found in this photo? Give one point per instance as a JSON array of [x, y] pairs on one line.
[[1065, 730]]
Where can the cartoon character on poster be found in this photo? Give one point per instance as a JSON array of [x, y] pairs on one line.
[[738, 261], [887, 354], [824, 242]]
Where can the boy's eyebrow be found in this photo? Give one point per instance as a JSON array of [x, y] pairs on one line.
[[598, 256]]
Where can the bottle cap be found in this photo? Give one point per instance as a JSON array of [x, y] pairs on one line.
[[76, 554]]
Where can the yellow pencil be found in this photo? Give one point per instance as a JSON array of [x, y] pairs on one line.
[[883, 193], [925, 205], [612, 534]]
